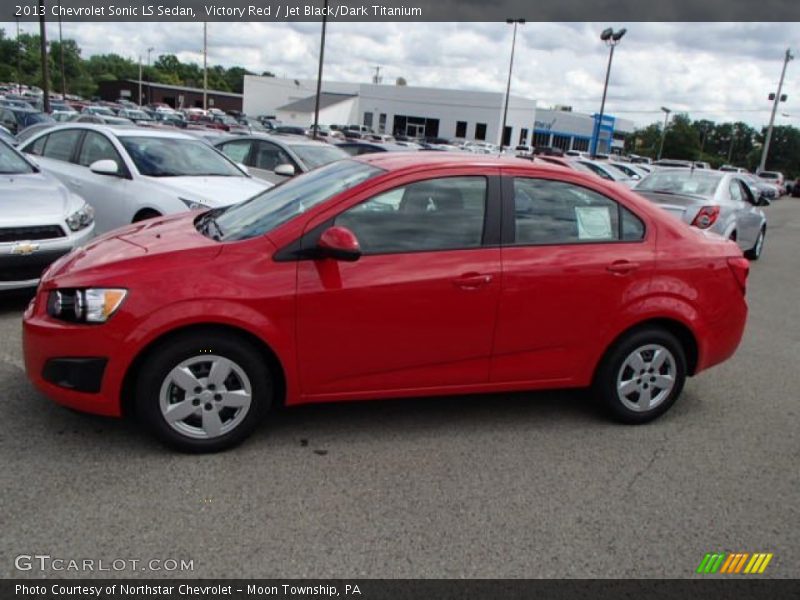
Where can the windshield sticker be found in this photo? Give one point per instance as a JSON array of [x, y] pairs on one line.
[[594, 222]]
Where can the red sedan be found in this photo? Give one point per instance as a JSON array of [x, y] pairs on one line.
[[390, 275]]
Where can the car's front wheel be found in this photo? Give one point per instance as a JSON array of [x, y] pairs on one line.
[[642, 375], [203, 392]]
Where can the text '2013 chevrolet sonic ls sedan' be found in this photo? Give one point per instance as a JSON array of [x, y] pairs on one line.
[[390, 275]]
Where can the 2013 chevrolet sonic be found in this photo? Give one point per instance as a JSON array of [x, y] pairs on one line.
[[392, 275]]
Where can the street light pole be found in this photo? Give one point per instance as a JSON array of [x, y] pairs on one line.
[[611, 38], [787, 57], [149, 86], [664, 132], [319, 70], [515, 22]]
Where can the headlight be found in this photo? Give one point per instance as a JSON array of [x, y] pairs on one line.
[[192, 205], [81, 218], [91, 305]]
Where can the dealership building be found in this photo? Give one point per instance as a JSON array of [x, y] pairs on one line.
[[430, 112]]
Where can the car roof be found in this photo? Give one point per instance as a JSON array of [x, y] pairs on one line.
[[394, 161], [288, 140], [122, 131]]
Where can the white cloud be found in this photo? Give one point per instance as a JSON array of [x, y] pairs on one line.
[[711, 70]]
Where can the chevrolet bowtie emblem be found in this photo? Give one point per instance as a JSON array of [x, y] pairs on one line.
[[24, 248]]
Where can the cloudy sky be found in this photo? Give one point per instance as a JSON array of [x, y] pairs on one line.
[[719, 71]]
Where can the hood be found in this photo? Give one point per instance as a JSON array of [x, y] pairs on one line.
[[213, 191], [35, 199], [158, 240]]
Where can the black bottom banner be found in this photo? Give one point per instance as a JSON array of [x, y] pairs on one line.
[[390, 589]]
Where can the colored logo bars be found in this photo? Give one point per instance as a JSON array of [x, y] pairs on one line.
[[734, 562]]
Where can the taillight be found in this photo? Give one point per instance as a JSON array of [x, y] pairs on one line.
[[740, 267], [706, 217]]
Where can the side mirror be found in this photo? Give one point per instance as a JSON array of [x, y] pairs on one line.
[[244, 168], [104, 167], [286, 170], [339, 243]]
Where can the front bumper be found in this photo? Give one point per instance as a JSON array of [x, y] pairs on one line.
[[20, 271], [78, 366]]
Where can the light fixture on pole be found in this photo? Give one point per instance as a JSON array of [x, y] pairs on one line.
[[61, 48], [776, 98], [664, 131], [515, 22], [611, 39], [319, 69]]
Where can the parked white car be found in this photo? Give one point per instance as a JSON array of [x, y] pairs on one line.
[[130, 174], [40, 220]]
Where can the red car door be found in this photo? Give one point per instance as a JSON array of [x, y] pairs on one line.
[[417, 309], [573, 259]]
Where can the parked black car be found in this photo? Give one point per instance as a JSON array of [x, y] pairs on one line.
[[16, 119]]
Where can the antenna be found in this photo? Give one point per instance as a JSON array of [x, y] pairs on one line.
[[377, 79]]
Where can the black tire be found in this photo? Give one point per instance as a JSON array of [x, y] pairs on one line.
[[605, 383], [755, 252], [143, 215], [200, 346]]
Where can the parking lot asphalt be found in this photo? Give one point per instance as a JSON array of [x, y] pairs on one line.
[[522, 485]]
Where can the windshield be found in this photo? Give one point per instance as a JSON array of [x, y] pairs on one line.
[[12, 163], [263, 213], [698, 183], [174, 157], [138, 114], [316, 156], [769, 175]]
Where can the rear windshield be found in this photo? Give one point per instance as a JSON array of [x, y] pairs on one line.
[[695, 182]]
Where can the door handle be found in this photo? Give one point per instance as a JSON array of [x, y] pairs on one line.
[[622, 267], [472, 281]]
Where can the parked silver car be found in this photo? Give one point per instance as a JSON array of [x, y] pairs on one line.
[[276, 157], [129, 174], [717, 201], [40, 220]]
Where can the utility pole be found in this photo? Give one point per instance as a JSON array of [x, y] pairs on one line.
[[61, 47], [778, 98], [45, 62], [319, 70], [205, 65], [734, 130], [149, 86]]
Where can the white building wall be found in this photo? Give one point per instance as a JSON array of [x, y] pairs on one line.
[[343, 113], [263, 95]]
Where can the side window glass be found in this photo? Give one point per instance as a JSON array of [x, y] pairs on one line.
[[37, 147], [237, 151], [61, 144], [735, 191], [555, 212], [268, 156], [425, 216], [747, 194], [632, 226], [97, 147]]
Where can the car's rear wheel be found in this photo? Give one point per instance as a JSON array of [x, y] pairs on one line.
[[204, 392], [755, 252], [642, 375]]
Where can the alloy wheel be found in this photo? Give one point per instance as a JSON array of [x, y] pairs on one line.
[[646, 377]]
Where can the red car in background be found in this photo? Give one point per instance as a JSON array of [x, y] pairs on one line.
[[390, 275]]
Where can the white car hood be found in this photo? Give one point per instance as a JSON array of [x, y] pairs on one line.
[[213, 191], [35, 199]]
